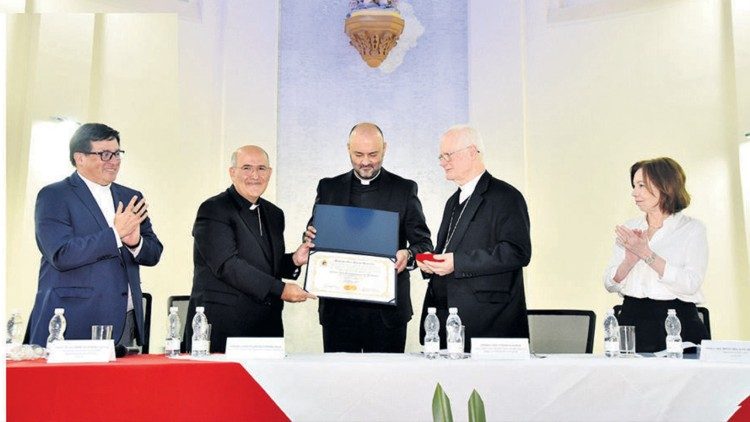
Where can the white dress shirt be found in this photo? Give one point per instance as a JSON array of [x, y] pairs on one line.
[[103, 197], [682, 243], [468, 188]]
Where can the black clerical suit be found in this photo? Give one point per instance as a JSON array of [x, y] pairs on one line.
[[490, 242], [239, 261], [352, 326]]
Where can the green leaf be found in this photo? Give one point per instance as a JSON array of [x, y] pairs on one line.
[[476, 408], [441, 406]]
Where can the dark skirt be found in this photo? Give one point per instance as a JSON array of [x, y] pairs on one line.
[[648, 315]]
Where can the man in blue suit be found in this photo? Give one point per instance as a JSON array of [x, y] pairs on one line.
[[93, 235]]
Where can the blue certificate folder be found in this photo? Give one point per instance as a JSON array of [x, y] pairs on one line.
[[357, 231]]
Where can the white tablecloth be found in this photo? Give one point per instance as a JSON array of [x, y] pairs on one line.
[[380, 387]]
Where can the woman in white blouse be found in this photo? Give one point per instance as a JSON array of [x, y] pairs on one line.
[[659, 260]]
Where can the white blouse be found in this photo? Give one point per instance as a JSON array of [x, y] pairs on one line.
[[682, 243]]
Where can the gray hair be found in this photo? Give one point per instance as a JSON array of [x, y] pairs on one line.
[[468, 136]]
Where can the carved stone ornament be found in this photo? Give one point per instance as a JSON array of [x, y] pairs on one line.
[[374, 33]]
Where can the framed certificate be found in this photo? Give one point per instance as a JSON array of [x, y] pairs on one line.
[[355, 254]]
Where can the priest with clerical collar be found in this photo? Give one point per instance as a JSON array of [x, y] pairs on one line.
[[239, 257], [352, 326]]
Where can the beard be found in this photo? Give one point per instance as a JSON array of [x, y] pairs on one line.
[[367, 173]]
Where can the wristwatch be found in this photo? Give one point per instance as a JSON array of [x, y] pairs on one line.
[[650, 259], [410, 263]]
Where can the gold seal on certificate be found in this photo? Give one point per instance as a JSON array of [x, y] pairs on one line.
[[351, 276], [355, 254]]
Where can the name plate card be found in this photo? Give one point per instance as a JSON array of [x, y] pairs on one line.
[[500, 348], [81, 351], [255, 348], [725, 351]]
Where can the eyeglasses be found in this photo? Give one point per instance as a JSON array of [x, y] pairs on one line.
[[447, 155], [107, 155], [262, 170]]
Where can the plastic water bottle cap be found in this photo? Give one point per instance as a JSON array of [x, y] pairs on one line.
[[453, 310], [172, 309], [431, 310], [199, 309], [59, 311], [611, 312], [671, 312]]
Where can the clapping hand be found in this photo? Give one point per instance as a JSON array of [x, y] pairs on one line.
[[128, 220], [634, 241]]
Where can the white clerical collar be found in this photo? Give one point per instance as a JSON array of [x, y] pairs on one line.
[[366, 181], [93, 186], [468, 188]]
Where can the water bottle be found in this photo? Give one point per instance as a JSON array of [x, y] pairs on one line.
[[431, 337], [15, 328], [200, 333], [611, 335], [172, 345], [453, 333], [674, 341], [57, 326]]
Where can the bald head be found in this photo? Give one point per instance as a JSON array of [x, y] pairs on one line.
[[366, 149], [247, 149], [366, 128]]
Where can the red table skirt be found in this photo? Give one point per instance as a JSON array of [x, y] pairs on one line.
[[146, 387]]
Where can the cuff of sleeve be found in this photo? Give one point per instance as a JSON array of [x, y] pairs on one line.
[[670, 274], [117, 238], [137, 249], [609, 282], [411, 262], [277, 288], [458, 269], [289, 268]]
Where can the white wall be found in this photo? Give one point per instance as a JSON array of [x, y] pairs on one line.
[[606, 91], [119, 69], [325, 88], [568, 97], [741, 43]]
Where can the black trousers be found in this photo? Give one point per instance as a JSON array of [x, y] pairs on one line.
[[648, 315], [364, 332]]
